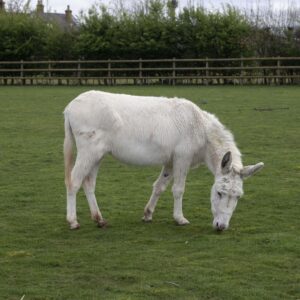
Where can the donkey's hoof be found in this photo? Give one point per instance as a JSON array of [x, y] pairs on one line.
[[147, 215], [147, 219], [102, 223], [74, 226], [182, 221]]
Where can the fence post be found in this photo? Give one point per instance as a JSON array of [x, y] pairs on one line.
[[140, 71], [278, 73], [206, 70], [49, 71], [78, 71], [242, 71], [22, 71], [109, 81], [174, 71]]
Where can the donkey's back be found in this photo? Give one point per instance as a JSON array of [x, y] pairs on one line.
[[135, 129], [98, 108]]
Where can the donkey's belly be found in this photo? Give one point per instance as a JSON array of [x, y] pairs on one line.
[[140, 153]]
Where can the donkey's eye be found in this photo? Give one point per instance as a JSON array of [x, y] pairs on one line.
[[219, 194]]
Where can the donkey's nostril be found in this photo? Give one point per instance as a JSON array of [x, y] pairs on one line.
[[220, 226]]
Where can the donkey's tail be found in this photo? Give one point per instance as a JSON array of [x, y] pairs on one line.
[[68, 152]]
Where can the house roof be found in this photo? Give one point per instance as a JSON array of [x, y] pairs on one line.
[[64, 21], [59, 19]]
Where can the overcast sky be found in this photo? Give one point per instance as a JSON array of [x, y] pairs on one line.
[[77, 5]]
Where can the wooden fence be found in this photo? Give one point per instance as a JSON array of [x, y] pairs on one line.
[[271, 70]]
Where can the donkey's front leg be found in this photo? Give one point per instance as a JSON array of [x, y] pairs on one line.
[[178, 190], [159, 186]]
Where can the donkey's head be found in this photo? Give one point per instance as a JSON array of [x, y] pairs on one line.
[[227, 190]]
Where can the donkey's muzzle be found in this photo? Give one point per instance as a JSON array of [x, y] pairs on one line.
[[220, 226]]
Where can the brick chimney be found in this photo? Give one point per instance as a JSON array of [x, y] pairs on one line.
[[40, 7], [2, 5], [69, 17]]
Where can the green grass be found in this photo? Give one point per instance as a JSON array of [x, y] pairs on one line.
[[257, 258]]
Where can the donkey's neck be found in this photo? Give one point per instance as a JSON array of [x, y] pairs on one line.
[[219, 141]]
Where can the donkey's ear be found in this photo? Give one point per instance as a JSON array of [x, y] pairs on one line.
[[251, 170], [226, 162]]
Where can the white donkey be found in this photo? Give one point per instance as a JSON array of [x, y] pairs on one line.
[[174, 133]]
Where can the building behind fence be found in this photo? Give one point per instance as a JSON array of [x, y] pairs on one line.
[[239, 71]]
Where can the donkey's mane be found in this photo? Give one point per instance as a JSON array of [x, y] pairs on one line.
[[220, 140]]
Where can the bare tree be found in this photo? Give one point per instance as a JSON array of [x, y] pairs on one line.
[[19, 6]]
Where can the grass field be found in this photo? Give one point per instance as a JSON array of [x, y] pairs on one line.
[[257, 258]]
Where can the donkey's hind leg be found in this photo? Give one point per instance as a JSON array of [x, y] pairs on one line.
[[80, 170], [89, 184], [84, 164], [159, 186]]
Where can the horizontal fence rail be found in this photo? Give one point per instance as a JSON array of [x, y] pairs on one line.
[[270, 70]]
